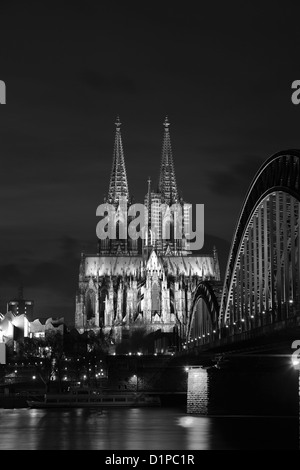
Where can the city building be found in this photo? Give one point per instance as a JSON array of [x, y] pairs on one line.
[[21, 306], [13, 327]]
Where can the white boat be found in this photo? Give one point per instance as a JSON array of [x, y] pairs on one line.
[[94, 398]]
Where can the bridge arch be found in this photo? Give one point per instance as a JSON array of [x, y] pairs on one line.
[[261, 283], [203, 320]]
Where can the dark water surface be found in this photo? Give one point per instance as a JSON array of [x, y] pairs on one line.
[[141, 429]]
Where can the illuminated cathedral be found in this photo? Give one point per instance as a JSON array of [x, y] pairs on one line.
[[141, 284]]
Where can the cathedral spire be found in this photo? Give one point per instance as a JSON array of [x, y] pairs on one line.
[[118, 186], [167, 181], [149, 193]]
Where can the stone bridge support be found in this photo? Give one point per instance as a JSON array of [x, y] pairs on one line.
[[197, 390]]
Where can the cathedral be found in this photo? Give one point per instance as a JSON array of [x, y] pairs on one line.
[[142, 284]]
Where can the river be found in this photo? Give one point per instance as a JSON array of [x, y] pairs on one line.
[[141, 429]]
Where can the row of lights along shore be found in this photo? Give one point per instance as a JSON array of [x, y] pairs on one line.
[[235, 323]]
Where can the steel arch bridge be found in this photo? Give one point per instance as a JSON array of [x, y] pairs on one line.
[[262, 279], [203, 320]]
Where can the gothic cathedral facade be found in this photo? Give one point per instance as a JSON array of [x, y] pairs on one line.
[[146, 284]]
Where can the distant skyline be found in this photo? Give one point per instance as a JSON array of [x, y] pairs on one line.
[[223, 76]]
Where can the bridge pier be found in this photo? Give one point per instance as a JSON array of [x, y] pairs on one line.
[[197, 390], [299, 403], [245, 384]]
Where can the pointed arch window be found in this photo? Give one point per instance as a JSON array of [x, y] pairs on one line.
[[155, 297], [90, 304]]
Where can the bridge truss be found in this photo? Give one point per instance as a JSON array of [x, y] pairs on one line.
[[262, 279]]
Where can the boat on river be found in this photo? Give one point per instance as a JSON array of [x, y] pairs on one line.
[[94, 398]]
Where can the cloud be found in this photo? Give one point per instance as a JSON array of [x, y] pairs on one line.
[[10, 274], [53, 283], [232, 180]]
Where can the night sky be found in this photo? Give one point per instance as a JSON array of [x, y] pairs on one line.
[[223, 76]]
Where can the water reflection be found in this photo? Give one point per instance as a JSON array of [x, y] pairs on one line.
[[140, 429]]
